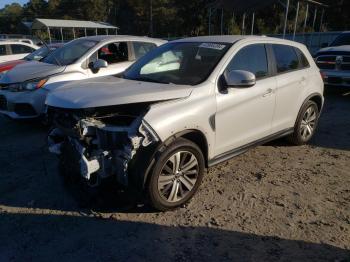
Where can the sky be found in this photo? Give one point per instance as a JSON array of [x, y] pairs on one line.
[[6, 2]]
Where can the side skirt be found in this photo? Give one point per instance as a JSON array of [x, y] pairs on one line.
[[240, 150]]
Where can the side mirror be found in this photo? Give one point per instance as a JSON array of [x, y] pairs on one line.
[[239, 78], [98, 64], [323, 45]]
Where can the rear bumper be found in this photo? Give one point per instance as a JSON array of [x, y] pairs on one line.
[[336, 78], [22, 105]]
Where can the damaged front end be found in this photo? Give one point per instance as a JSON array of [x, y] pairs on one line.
[[101, 143]]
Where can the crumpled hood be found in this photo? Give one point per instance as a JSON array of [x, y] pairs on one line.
[[342, 48], [30, 70], [108, 91]]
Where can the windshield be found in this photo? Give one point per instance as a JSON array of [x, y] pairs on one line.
[[343, 39], [181, 63], [70, 52], [39, 54]]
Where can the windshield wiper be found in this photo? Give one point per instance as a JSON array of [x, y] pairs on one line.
[[147, 79]]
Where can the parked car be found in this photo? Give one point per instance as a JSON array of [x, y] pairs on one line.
[[19, 37], [24, 88], [37, 55], [156, 130], [23, 40], [14, 50], [334, 61]]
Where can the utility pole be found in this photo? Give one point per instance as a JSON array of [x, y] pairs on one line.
[[243, 24], [296, 20], [151, 18], [286, 20]]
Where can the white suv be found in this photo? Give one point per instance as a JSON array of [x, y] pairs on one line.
[[184, 106]]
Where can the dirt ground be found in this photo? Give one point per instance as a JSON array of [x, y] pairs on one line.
[[274, 203]]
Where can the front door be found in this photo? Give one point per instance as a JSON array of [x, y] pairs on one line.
[[117, 56], [244, 115]]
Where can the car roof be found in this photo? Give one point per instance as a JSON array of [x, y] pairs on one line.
[[101, 38], [14, 42], [213, 38], [235, 38]]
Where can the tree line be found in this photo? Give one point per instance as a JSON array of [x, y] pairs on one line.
[[174, 18]]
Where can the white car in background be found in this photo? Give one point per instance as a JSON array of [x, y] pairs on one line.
[[14, 50], [23, 89], [156, 128]]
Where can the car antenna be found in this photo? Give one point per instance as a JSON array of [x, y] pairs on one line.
[[48, 48]]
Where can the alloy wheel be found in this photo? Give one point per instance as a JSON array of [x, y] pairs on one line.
[[178, 176], [308, 123]]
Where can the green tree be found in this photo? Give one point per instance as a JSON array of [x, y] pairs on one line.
[[10, 18]]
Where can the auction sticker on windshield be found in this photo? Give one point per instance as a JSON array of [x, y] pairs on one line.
[[212, 46]]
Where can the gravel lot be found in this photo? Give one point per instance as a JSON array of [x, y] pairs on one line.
[[274, 203]]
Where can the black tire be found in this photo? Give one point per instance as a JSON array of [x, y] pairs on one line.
[[179, 145], [296, 137]]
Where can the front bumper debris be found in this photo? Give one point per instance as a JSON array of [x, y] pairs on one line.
[[104, 150]]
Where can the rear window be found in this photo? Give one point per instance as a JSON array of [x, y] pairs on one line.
[[21, 49], [303, 62], [343, 39], [142, 48], [286, 58]]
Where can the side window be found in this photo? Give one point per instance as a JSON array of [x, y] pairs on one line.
[[92, 59], [2, 49], [142, 48], [303, 62], [114, 52], [286, 58], [21, 49], [251, 58]]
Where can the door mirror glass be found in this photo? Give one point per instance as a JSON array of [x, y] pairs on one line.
[[239, 78], [98, 64]]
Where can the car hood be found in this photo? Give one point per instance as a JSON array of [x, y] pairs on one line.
[[108, 91], [342, 48], [10, 64], [30, 70]]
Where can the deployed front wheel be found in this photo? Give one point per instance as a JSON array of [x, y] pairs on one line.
[[176, 175]]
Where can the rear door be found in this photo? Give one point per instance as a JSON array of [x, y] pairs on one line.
[[291, 81]]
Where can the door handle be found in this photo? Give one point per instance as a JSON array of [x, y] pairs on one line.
[[268, 92]]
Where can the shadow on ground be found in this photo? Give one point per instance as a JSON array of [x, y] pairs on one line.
[[71, 238], [40, 221]]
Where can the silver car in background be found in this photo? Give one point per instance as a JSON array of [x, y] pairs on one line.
[[23, 89]]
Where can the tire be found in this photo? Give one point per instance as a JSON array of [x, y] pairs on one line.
[[306, 122], [170, 187]]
